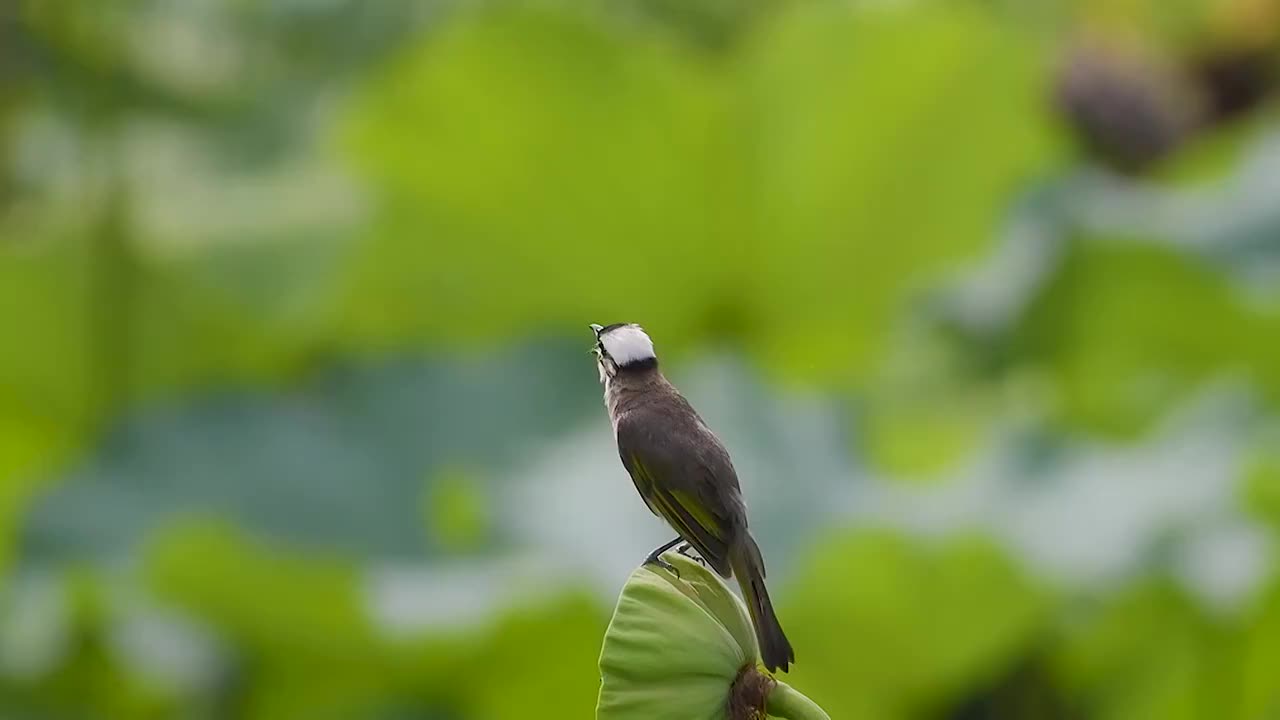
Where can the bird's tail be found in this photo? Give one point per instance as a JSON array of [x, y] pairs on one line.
[[748, 567]]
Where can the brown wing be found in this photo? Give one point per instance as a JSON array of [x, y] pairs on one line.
[[685, 475]]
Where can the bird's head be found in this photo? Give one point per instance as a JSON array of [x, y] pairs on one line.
[[622, 347]]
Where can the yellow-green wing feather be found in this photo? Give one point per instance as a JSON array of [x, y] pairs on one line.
[[696, 524]]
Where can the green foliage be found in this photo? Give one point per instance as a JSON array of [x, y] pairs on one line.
[[676, 647], [746, 188], [889, 628], [1151, 653], [208, 570], [44, 294], [1260, 656], [542, 656], [294, 618], [233, 416], [1262, 483], [457, 511], [28, 449], [1126, 331], [845, 108]]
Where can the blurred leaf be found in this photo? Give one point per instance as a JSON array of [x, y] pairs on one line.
[[44, 297], [533, 168], [543, 655], [1026, 688], [1126, 330], [91, 683], [28, 449], [1209, 158], [195, 327], [520, 151], [925, 409], [716, 25], [860, 181], [45, 403], [298, 622], [923, 440], [457, 512], [1261, 658], [284, 464], [78, 321], [1261, 485], [1151, 653], [1171, 23], [606, 175], [212, 571], [884, 628]]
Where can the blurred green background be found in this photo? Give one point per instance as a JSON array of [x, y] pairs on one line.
[[296, 414]]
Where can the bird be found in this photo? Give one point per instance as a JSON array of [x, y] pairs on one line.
[[684, 475]]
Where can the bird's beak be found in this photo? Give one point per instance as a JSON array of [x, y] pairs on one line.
[[596, 328]]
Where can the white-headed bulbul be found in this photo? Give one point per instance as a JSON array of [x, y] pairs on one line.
[[684, 474]]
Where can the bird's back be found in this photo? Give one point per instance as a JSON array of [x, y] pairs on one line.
[[679, 466]]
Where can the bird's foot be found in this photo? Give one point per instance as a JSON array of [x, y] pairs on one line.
[[687, 551], [663, 564], [655, 558]]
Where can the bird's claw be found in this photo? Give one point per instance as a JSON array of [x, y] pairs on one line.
[[685, 551], [657, 560]]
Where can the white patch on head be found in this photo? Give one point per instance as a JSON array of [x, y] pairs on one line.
[[627, 344]]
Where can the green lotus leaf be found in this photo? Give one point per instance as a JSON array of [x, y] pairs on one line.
[[674, 646], [677, 644], [709, 591]]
